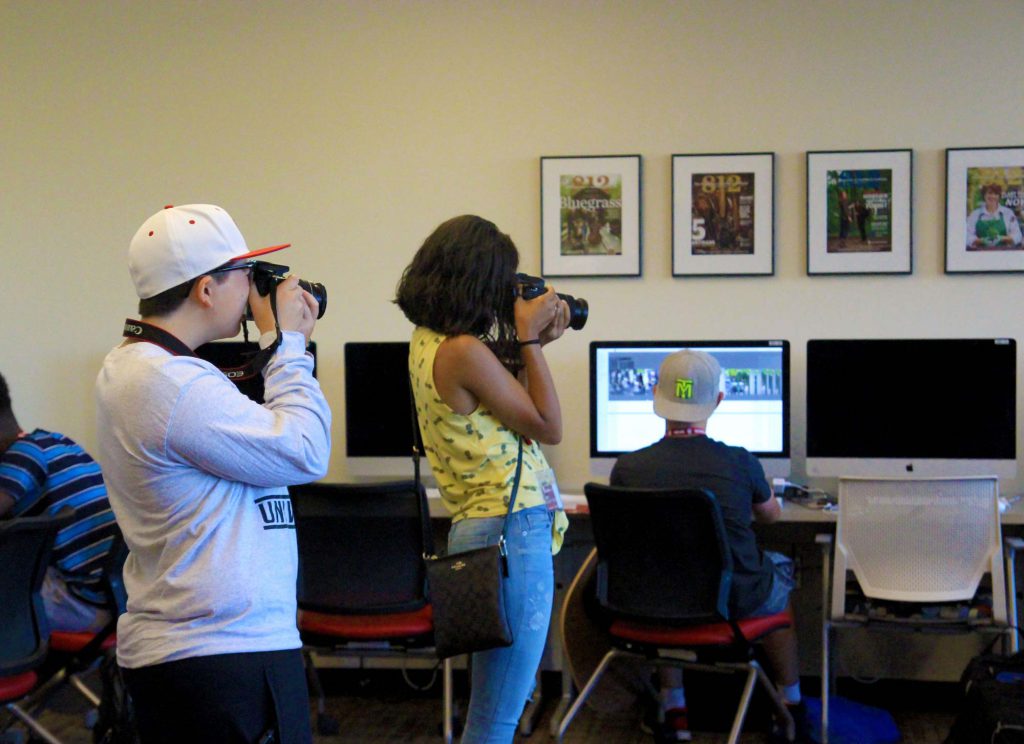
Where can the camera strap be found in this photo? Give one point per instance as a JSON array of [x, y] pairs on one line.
[[138, 330]]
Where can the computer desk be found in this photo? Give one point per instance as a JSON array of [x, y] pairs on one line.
[[794, 534]]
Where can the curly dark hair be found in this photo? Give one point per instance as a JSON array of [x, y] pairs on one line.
[[5, 396], [462, 281]]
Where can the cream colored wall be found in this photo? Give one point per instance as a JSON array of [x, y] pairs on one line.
[[353, 128]]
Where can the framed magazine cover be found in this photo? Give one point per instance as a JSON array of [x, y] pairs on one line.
[[723, 209], [590, 215], [984, 208], [859, 212]]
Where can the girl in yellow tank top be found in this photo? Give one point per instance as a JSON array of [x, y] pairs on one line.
[[481, 383]]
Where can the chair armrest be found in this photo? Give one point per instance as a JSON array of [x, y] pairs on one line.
[[1013, 544], [825, 540]]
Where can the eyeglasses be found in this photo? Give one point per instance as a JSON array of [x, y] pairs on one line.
[[232, 267]]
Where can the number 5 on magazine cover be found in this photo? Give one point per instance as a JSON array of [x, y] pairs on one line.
[[722, 214]]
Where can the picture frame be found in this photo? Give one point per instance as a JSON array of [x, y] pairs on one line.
[[860, 212], [591, 215], [723, 214], [984, 209]]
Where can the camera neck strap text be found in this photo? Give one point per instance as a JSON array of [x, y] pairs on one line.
[[138, 330]]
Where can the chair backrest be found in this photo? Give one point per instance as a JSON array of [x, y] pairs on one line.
[[361, 546], [920, 539], [662, 554], [25, 545], [113, 575]]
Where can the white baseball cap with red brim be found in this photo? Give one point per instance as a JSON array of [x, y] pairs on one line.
[[180, 243]]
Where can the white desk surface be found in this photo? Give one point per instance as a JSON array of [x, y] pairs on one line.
[[791, 511]]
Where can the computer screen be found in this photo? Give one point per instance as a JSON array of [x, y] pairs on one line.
[[753, 415], [229, 356], [880, 407], [378, 413]]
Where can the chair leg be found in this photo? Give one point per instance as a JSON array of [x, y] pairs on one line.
[[29, 721], [83, 688], [325, 724], [741, 711], [584, 694], [313, 680], [568, 688], [784, 716]]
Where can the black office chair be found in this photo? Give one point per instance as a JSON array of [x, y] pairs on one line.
[[664, 571], [362, 581], [25, 546], [73, 655]]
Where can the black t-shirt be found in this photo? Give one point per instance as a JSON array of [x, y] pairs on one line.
[[737, 480]]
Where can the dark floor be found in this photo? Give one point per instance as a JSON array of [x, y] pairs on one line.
[[379, 706]]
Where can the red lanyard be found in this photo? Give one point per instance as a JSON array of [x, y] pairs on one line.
[[685, 432]]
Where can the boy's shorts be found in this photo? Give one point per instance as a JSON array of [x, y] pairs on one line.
[[782, 584]]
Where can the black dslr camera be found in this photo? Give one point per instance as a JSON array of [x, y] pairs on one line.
[[533, 286], [266, 276]]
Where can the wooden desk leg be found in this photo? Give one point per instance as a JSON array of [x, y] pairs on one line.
[[825, 541], [534, 708], [1010, 547], [447, 729]]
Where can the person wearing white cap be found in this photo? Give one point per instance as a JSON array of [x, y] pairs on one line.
[[197, 475], [688, 391]]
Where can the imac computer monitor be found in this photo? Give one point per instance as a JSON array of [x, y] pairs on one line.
[[230, 356], [929, 407], [753, 415], [378, 413]]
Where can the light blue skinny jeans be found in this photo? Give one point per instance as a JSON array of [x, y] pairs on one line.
[[503, 678]]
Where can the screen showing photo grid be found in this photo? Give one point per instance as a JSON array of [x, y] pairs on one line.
[[752, 414]]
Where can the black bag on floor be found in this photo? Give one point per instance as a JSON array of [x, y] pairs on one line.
[[116, 721], [992, 709]]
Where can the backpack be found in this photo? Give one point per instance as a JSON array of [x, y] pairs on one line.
[[992, 709]]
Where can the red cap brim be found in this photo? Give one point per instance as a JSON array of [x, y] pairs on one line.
[[261, 251]]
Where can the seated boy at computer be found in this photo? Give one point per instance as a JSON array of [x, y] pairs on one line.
[[689, 390]]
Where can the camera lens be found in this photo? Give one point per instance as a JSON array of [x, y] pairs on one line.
[[579, 310], [533, 286], [319, 292]]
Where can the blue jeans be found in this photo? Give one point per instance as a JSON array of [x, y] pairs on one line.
[[782, 585], [503, 678]]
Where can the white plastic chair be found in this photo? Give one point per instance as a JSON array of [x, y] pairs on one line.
[[927, 540]]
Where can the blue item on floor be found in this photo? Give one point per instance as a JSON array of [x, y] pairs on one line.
[[851, 722]]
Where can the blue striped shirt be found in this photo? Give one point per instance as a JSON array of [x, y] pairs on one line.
[[44, 472]]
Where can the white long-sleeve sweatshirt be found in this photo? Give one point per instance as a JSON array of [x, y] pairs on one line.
[[196, 473]]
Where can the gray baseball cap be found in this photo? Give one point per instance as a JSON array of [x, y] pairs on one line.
[[688, 386]]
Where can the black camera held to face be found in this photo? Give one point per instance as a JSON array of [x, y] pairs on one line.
[[267, 275], [533, 286]]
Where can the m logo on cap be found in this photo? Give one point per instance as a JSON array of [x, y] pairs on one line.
[[684, 388]]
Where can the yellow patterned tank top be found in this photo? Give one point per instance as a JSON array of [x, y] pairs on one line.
[[472, 456]]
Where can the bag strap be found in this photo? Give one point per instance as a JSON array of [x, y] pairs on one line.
[[416, 454], [428, 532], [512, 496]]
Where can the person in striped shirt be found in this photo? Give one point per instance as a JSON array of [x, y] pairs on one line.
[[41, 472]]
